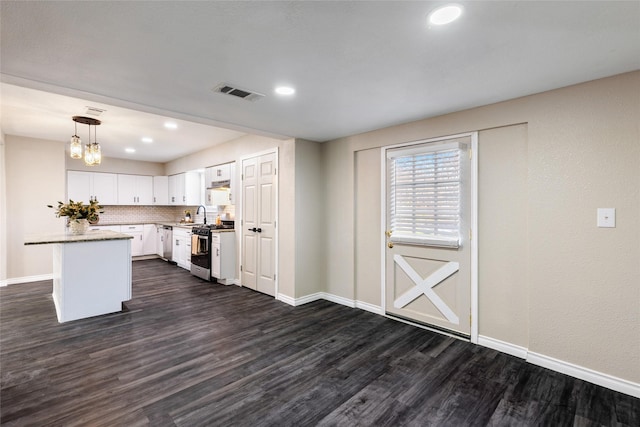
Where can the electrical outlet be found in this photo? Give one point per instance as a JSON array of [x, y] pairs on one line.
[[607, 217]]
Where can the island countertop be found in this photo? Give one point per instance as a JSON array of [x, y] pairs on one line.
[[89, 236]]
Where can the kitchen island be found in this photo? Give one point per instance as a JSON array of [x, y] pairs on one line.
[[91, 272]]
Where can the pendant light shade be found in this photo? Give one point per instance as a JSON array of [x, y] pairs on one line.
[[92, 151], [75, 147]]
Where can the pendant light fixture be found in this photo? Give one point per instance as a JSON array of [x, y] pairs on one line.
[[75, 146], [92, 151]]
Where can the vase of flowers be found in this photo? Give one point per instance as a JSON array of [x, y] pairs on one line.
[[79, 215]]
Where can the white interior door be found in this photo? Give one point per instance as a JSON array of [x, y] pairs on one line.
[[428, 228], [259, 222]]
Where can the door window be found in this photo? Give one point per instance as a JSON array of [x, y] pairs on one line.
[[424, 189]]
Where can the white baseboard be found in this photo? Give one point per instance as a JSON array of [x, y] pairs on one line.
[[375, 309], [26, 279], [330, 297], [502, 346], [586, 374]]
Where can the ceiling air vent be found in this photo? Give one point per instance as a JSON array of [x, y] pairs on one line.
[[237, 92], [94, 111]]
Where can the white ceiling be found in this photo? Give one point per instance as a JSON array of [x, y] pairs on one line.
[[356, 66]]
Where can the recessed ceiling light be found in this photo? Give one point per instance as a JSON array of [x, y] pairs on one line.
[[130, 150], [147, 140], [445, 14], [171, 125], [285, 90]]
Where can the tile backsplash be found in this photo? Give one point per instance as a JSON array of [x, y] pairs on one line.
[[153, 214]]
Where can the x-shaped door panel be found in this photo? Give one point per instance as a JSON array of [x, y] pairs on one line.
[[424, 286]]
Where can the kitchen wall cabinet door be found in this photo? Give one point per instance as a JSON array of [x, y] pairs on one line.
[[234, 186], [160, 190], [176, 189], [216, 174], [87, 186], [135, 189], [185, 189], [79, 186], [105, 188]]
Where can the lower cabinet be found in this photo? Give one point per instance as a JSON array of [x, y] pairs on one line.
[[223, 256], [182, 247], [145, 237], [137, 243]]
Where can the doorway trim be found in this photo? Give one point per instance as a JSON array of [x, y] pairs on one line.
[[240, 207], [473, 222]]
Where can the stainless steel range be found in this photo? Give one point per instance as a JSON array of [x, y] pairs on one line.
[[201, 248]]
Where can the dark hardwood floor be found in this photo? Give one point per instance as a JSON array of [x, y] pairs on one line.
[[189, 353]]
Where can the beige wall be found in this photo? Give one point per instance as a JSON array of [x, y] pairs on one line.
[[244, 147], [3, 211], [113, 165], [310, 223], [367, 227], [35, 177], [503, 302], [559, 285]]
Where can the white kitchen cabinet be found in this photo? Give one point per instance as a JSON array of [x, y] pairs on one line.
[[149, 242], [182, 247], [135, 190], [216, 174], [185, 189], [223, 256], [213, 176], [115, 228], [160, 190], [87, 186], [159, 240], [137, 244], [233, 192]]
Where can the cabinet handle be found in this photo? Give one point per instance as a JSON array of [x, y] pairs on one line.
[[141, 237], [217, 252], [177, 242], [184, 198], [154, 199]]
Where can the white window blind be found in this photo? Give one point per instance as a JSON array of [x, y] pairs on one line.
[[424, 194]]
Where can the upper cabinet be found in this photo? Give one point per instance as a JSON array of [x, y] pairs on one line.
[[87, 186], [217, 173], [185, 189], [135, 190], [160, 190]]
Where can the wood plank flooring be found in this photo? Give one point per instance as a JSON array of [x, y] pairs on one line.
[[190, 353]]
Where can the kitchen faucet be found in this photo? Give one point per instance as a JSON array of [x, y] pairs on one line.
[[205, 212]]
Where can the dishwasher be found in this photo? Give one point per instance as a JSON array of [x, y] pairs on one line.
[[167, 242]]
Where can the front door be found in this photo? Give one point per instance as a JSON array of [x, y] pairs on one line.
[[428, 229], [259, 222]]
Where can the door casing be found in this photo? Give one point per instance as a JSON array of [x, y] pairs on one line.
[[473, 222]]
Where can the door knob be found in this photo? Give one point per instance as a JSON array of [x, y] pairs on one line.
[[259, 230], [390, 245], [253, 229], [388, 233]]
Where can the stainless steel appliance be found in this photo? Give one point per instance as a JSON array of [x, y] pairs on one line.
[[201, 248], [167, 242]]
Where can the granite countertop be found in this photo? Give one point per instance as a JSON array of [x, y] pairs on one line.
[[89, 236]]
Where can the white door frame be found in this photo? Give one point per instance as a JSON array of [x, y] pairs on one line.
[[239, 207], [473, 222]]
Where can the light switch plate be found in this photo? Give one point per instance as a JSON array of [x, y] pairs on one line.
[[607, 217]]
